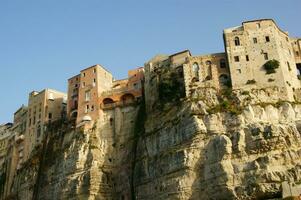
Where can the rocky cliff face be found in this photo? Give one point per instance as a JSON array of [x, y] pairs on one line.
[[209, 146]]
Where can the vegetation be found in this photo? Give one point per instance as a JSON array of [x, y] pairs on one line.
[[251, 82], [271, 66], [228, 103], [171, 88], [299, 77]]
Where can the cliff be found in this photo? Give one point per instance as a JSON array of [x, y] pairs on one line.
[[212, 145]]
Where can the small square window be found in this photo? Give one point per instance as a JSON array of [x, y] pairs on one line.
[[239, 71], [236, 58], [266, 56], [255, 40], [267, 38]]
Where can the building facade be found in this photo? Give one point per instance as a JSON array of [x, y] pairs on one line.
[[43, 108], [250, 46], [94, 90]]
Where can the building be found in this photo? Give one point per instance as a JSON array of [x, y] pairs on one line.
[[94, 90], [125, 91], [249, 46], [5, 136], [43, 108], [73, 91]]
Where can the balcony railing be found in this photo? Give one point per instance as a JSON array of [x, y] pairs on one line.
[[118, 90], [117, 104]]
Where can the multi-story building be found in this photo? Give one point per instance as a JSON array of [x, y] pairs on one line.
[[73, 91], [5, 137], [125, 91], [15, 147], [43, 108], [250, 46], [84, 91], [94, 89]]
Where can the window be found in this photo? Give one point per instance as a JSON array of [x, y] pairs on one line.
[[266, 56], [236, 58], [92, 108], [111, 121], [267, 38], [84, 84], [94, 70], [236, 41], [238, 71], [297, 53], [255, 40], [288, 66], [87, 108], [76, 85], [49, 116], [208, 62], [222, 63], [247, 57], [94, 82], [88, 95], [258, 25]]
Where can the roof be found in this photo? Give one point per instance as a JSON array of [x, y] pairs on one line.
[[259, 20], [96, 66], [76, 76], [185, 51]]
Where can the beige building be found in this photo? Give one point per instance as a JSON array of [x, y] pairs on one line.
[[5, 137], [43, 108], [249, 46]]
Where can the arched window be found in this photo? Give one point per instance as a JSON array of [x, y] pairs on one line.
[[127, 98], [107, 101], [195, 67], [208, 63], [222, 63], [236, 41], [224, 79], [195, 70]]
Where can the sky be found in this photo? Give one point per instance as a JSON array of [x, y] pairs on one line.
[[45, 42]]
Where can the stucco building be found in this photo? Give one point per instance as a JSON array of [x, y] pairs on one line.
[[44, 107], [95, 90], [249, 46]]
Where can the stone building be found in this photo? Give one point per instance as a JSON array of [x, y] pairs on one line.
[[125, 91], [15, 146], [193, 71], [94, 90], [73, 90], [5, 136], [43, 108], [84, 91], [249, 46]]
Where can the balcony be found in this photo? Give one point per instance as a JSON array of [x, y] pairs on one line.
[[117, 104]]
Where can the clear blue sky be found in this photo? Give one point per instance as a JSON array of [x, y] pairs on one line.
[[44, 42]]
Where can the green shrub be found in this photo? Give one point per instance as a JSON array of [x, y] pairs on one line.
[[170, 87], [271, 66]]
